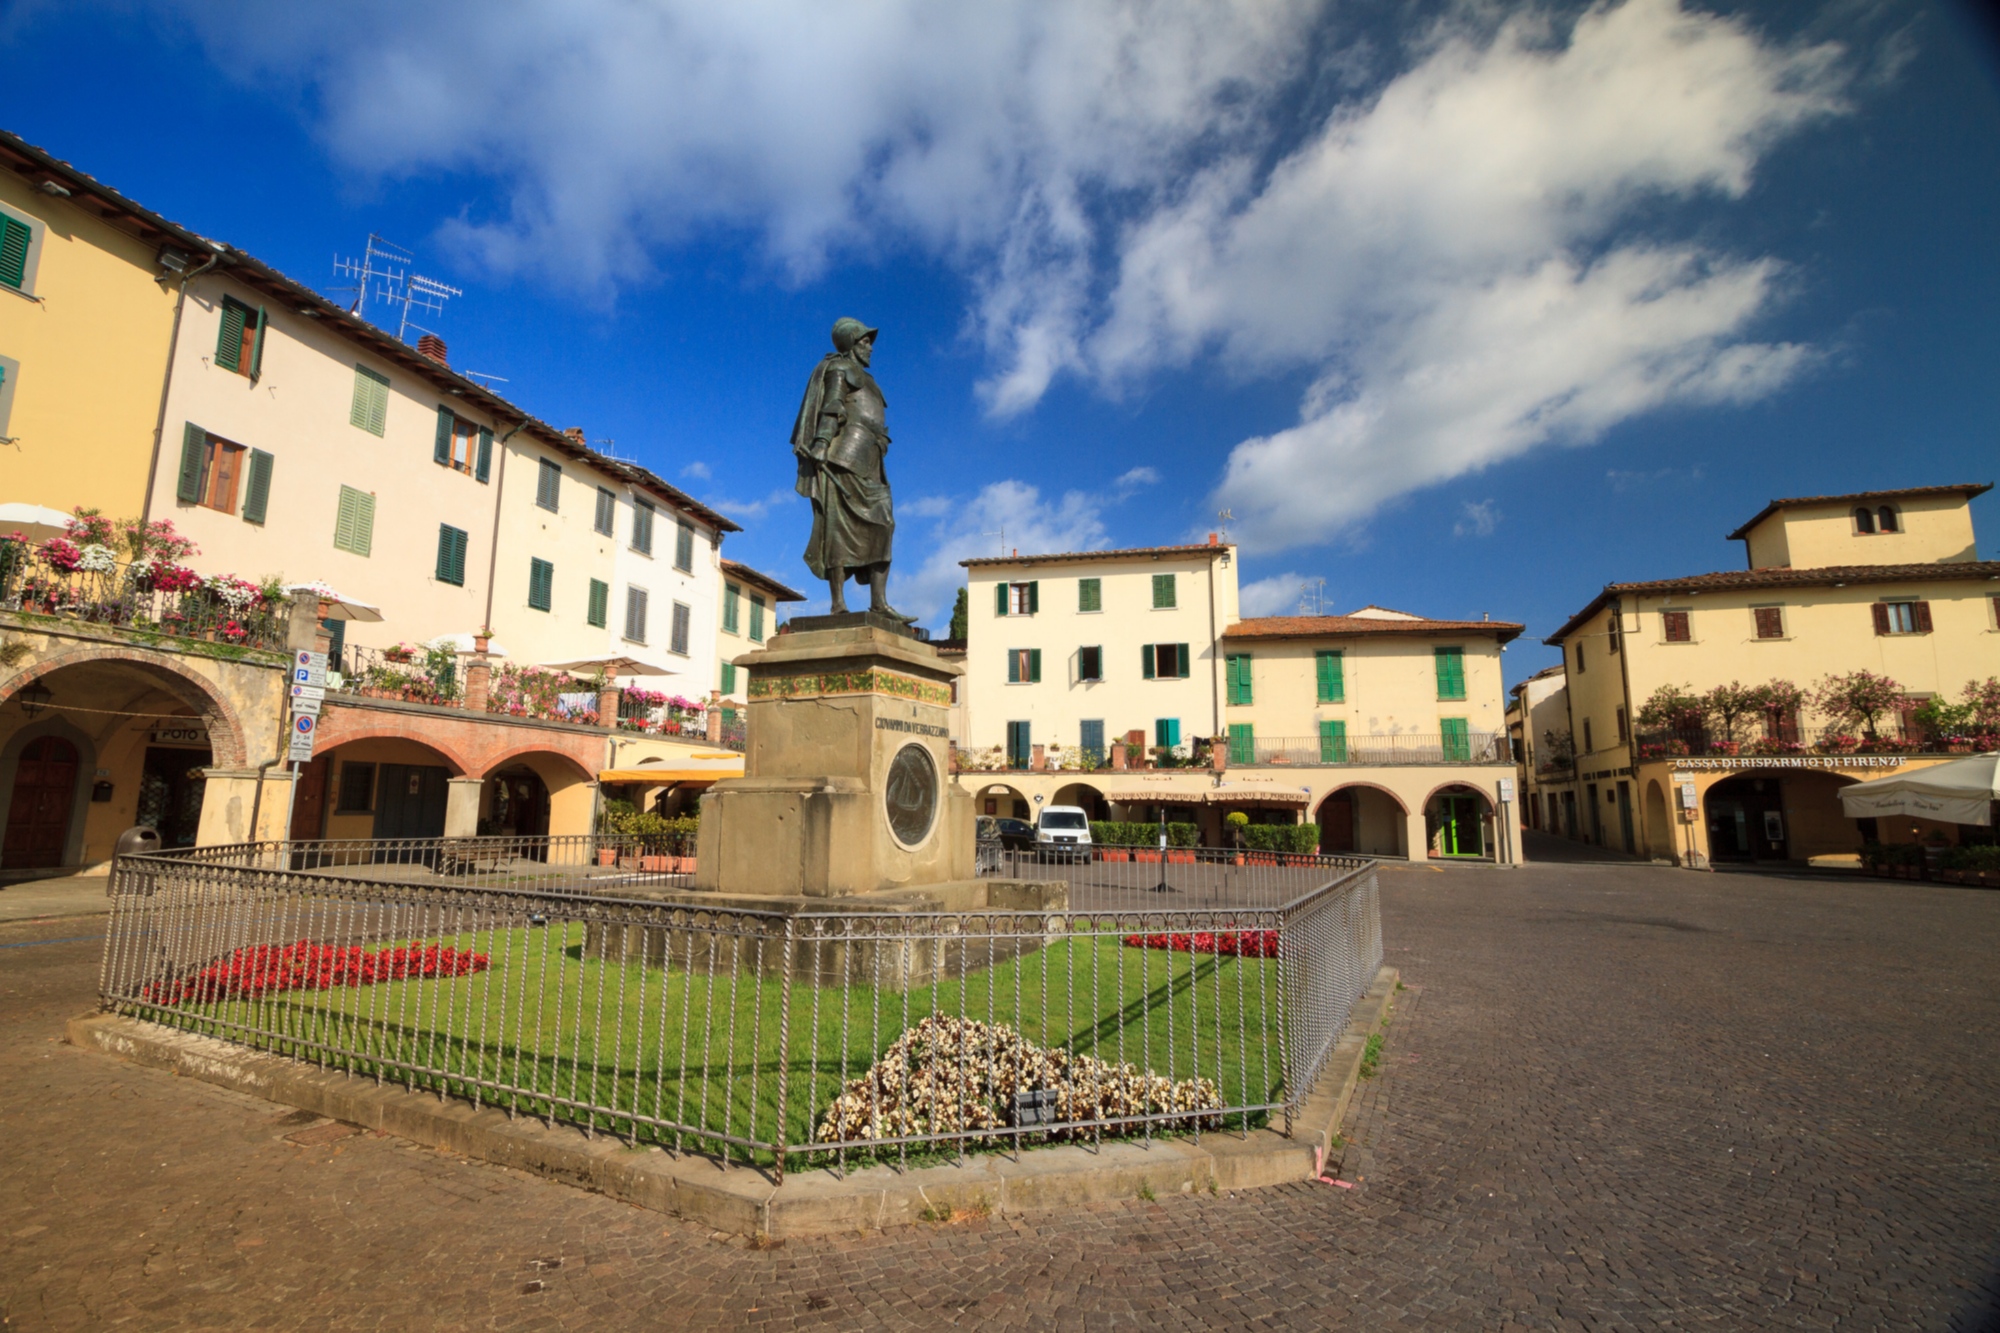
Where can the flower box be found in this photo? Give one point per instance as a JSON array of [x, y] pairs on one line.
[[1184, 857], [607, 856], [1151, 858], [1114, 854], [656, 865]]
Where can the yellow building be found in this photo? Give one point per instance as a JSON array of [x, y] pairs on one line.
[[1886, 582], [1125, 682], [90, 286]]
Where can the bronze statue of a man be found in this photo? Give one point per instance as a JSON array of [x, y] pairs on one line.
[[839, 440]]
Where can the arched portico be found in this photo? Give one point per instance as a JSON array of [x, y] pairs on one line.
[[1363, 818], [1458, 823], [1086, 795]]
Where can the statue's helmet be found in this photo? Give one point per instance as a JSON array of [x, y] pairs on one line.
[[847, 332]]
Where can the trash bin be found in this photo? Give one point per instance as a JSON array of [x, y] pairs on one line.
[[141, 838]]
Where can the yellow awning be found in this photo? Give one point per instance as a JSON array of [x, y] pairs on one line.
[[663, 777]]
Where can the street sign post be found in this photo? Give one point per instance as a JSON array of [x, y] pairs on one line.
[[309, 668], [305, 727]]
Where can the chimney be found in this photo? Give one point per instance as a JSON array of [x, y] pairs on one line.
[[432, 346], [576, 433], [1211, 539]]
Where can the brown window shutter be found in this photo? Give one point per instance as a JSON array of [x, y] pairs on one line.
[[1996, 611], [1676, 623], [1881, 610], [1770, 623], [1923, 610]]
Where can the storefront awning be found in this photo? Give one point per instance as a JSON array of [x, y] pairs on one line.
[[667, 777], [1960, 792], [1256, 796]]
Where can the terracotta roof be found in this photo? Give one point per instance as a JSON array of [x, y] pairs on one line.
[[949, 647], [1321, 627], [1824, 577], [94, 197], [1970, 490], [1131, 552], [736, 569]]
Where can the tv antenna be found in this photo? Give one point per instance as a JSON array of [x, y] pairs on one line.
[[483, 377], [1312, 597], [1001, 533], [1223, 518], [383, 272]]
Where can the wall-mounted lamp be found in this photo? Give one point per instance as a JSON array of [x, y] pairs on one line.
[[35, 698]]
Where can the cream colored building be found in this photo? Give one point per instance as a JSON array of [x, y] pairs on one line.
[[1538, 722], [1386, 729], [746, 618], [1895, 588], [88, 290]]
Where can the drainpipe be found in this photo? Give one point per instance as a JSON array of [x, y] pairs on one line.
[[166, 384], [1214, 669], [493, 546], [1631, 721]]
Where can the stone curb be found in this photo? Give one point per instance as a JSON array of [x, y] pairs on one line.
[[742, 1200]]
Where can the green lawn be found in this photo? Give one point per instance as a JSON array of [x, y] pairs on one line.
[[701, 1049]]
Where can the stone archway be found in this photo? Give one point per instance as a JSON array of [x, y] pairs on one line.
[[1084, 794], [1362, 819], [1659, 824], [1458, 823], [225, 727]]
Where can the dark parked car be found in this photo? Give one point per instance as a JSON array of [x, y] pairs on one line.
[[1014, 835]]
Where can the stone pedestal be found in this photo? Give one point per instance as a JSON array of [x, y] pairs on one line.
[[846, 787]]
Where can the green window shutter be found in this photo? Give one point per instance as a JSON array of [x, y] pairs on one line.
[[451, 554], [541, 584], [1163, 591], [370, 409], [729, 677], [1013, 666], [1451, 673], [459, 542], [600, 603], [1333, 742], [484, 467], [756, 619], [1000, 599], [1331, 682], [1089, 595], [229, 340], [1035, 665], [1181, 661], [14, 238], [257, 345], [732, 603], [1167, 731], [1242, 743], [1034, 597], [257, 493], [1239, 678], [1457, 746], [446, 419], [1146, 656], [194, 463], [354, 524]]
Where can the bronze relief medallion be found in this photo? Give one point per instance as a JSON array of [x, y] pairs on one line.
[[911, 796]]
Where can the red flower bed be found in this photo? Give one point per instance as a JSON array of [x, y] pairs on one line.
[[1241, 943], [267, 969]]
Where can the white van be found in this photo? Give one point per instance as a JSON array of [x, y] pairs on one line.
[[1062, 833]]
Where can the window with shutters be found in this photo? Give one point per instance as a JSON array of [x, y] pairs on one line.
[[1242, 743], [642, 526], [1329, 677], [1579, 657], [1024, 666], [636, 600], [1450, 672], [1995, 603], [1090, 738], [1021, 599], [452, 544], [607, 512], [541, 585], [1333, 742], [10, 374], [1165, 661], [684, 546], [1618, 716], [222, 469], [357, 789], [257, 486], [1238, 673], [1677, 626], [462, 445], [239, 343], [683, 622], [1163, 592], [1090, 594], [548, 485], [1902, 617], [1090, 664], [18, 252], [370, 410], [732, 609], [1457, 741], [1167, 731], [354, 522], [1020, 749], [599, 613], [1769, 621], [1589, 745], [729, 677], [756, 618]]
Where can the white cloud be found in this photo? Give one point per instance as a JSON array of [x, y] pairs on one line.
[[752, 510], [1133, 479], [1277, 595], [698, 470], [1476, 519], [1004, 517], [1466, 260]]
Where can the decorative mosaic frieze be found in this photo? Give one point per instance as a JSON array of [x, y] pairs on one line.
[[872, 680]]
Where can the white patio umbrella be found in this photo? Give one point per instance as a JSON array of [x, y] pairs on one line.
[[338, 607], [35, 522], [1960, 792], [462, 643], [614, 665]]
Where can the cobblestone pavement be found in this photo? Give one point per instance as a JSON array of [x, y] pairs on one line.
[[1614, 1096]]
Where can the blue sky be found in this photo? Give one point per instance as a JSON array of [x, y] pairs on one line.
[[1464, 310]]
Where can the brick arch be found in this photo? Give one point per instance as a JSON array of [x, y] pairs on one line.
[[343, 726], [225, 728], [580, 770]]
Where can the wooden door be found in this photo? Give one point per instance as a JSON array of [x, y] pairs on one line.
[[1336, 823], [44, 795]]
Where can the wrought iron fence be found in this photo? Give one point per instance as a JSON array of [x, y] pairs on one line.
[[417, 675], [808, 1031], [1754, 741], [1479, 747], [142, 598]]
